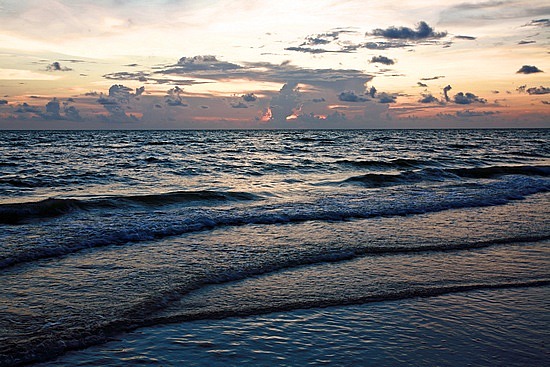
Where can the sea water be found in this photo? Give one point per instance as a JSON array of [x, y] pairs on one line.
[[275, 247]]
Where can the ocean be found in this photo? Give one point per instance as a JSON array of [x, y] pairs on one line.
[[264, 248]]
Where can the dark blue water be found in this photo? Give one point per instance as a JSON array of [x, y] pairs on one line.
[[102, 233]]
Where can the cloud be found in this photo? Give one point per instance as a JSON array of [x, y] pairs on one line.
[[528, 69], [386, 98], [310, 50], [428, 98], [56, 66], [3, 102], [72, 113], [249, 97], [382, 60], [239, 105], [468, 38], [200, 64], [52, 110], [423, 31], [350, 96], [470, 113], [285, 102], [467, 98], [492, 10], [433, 78], [173, 97], [125, 75], [522, 42], [26, 108], [538, 90], [314, 100], [445, 92], [538, 23], [423, 85]]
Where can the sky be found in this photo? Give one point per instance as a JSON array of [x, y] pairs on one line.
[[261, 64]]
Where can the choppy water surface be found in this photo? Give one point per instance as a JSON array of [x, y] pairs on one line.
[[105, 232]]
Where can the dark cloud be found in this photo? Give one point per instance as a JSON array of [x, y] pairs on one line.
[[285, 102], [423, 31], [3, 101], [372, 92], [124, 75], [528, 69], [284, 73], [522, 42], [468, 38], [422, 85], [382, 60], [539, 23], [538, 90], [56, 66], [386, 98], [433, 78], [467, 98], [309, 50], [545, 102], [173, 97], [201, 63], [521, 88], [249, 97], [315, 100], [72, 113], [52, 110], [428, 98], [445, 92], [470, 113], [350, 96], [91, 94], [239, 105], [120, 93], [140, 91], [26, 108]]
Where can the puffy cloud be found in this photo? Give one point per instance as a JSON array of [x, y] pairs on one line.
[[538, 90], [201, 63], [52, 110], [467, 98], [26, 108], [386, 98], [249, 97], [140, 90], [350, 96], [56, 66], [382, 60], [173, 97], [285, 102], [372, 92], [528, 69], [423, 31], [428, 98], [72, 113], [120, 92]]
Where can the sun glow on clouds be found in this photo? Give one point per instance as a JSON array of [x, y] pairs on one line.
[[301, 60]]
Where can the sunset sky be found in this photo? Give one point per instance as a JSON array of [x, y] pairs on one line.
[[178, 64]]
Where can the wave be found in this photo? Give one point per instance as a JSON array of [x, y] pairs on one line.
[[498, 171], [51, 346], [52, 207], [440, 174], [394, 163]]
